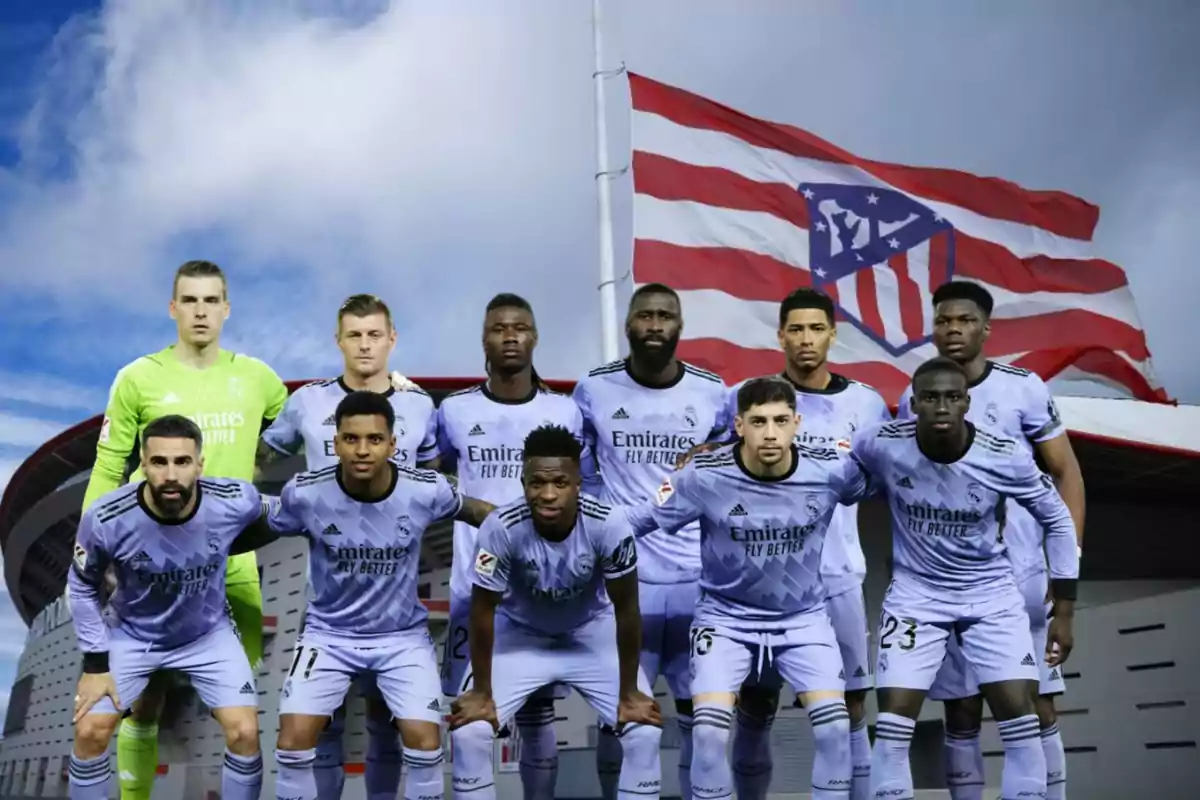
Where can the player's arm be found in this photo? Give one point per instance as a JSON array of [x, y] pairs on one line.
[[1043, 427], [723, 432], [619, 566], [447, 455], [118, 433], [449, 504], [490, 582], [429, 452], [1035, 490], [282, 437], [585, 430], [277, 517], [85, 586], [852, 482], [674, 505]]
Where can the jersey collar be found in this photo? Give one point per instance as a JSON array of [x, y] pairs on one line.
[[737, 459], [987, 370], [669, 384], [360, 499], [837, 384], [341, 381], [483, 387], [960, 456]]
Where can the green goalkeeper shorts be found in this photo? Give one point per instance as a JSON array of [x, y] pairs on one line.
[[244, 603]]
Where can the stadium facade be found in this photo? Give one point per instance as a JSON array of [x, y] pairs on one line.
[[1128, 717]]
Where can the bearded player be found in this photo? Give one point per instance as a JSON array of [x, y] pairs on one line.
[[481, 434], [232, 398], [1017, 404], [366, 336], [640, 414]]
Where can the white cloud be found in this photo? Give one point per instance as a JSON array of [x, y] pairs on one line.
[[17, 430], [50, 392]]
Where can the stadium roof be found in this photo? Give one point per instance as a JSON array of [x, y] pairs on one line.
[[1144, 450]]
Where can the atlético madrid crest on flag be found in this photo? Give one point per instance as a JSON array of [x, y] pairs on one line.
[[880, 254]]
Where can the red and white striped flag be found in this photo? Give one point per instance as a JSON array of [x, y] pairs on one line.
[[735, 212]]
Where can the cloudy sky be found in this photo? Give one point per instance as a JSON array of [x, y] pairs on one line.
[[317, 148]]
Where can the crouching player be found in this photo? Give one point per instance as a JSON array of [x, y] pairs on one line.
[[167, 539], [565, 566], [764, 505], [364, 518], [947, 482]]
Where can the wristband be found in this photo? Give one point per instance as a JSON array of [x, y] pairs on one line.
[[1065, 589], [95, 663]]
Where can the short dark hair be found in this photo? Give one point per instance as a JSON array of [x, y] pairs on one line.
[[805, 298], [938, 364], [760, 391], [965, 290], [199, 269], [364, 305], [653, 288], [173, 426], [552, 441], [365, 404], [508, 300]]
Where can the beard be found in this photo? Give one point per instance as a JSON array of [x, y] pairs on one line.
[[654, 357], [171, 506]]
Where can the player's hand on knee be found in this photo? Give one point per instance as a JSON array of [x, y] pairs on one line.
[[401, 383], [638, 707], [1060, 639], [703, 447], [471, 707], [92, 688]]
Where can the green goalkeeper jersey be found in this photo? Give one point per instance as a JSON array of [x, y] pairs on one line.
[[230, 401]]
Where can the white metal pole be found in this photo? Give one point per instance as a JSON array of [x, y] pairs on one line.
[[609, 342]]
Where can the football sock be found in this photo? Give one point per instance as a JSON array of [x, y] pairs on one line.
[[381, 772], [608, 761], [137, 758], [964, 765], [712, 777], [89, 777], [831, 774], [1024, 760], [752, 759], [1056, 763], [241, 777], [295, 780], [891, 772], [539, 749], [425, 779]]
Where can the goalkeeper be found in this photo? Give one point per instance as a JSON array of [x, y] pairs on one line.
[[232, 398]]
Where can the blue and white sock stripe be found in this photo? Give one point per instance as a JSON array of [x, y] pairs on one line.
[[858, 726], [91, 770], [895, 728], [684, 722], [713, 717], [417, 759], [1019, 729], [830, 712], [1051, 731], [963, 736], [244, 765]]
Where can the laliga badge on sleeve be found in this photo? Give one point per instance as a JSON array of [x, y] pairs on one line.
[[80, 557], [665, 490], [485, 564]]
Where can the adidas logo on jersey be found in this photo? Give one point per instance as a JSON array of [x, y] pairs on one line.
[[905, 482], [477, 430], [140, 557], [1054, 674], [860, 673], [434, 705], [331, 530], [841, 674], [330, 420], [1028, 661], [737, 511], [247, 688], [620, 414]]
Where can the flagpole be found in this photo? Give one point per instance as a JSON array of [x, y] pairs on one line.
[[609, 343]]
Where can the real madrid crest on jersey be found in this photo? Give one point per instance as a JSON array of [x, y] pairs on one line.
[[401, 427], [690, 417], [402, 523]]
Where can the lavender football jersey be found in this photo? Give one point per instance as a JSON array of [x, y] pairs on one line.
[[947, 519], [760, 540], [637, 433], [553, 587], [364, 556], [308, 419], [170, 574], [1016, 404], [829, 418], [483, 437]]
